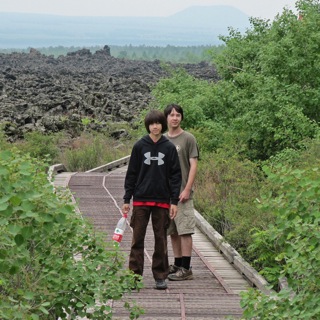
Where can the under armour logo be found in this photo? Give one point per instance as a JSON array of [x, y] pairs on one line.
[[158, 158]]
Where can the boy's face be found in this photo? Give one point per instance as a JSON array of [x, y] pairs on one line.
[[155, 129], [174, 119]]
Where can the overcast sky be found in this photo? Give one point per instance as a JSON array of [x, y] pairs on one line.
[[266, 9]]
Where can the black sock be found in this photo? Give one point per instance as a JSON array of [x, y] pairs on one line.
[[186, 262], [178, 262]]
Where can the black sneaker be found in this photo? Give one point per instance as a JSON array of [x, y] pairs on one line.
[[173, 268], [181, 274], [160, 285]]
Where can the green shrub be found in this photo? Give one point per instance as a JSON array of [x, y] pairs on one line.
[[92, 150], [40, 146], [51, 261], [225, 190], [289, 248], [185, 90], [210, 137], [3, 142]]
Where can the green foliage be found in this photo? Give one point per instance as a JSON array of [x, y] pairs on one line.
[[82, 153], [92, 150], [51, 261], [40, 146], [210, 137], [225, 190], [270, 81], [306, 157], [3, 141], [183, 89], [292, 245], [310, 155]]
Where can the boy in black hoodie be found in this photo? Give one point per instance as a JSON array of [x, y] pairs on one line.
[[153, 180]]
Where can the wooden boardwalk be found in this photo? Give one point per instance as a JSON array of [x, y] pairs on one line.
[[214, 292]]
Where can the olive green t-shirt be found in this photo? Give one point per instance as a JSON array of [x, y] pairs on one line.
[[187, 148]]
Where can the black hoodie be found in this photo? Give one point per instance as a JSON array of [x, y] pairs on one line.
[[154, 172]]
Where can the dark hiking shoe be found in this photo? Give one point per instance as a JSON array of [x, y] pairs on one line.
[[181, 274], [160, 285], [173, 268]]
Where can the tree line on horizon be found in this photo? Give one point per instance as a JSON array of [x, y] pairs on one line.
[[169, 53]]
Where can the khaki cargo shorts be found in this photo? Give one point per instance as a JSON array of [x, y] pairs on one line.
[[185, 221]]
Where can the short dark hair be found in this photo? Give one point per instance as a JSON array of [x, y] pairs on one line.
[[155, 116], [169, 108]]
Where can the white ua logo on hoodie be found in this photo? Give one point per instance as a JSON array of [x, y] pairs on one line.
[[158, 158]]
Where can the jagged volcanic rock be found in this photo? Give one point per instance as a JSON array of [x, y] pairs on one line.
[[39, 92]]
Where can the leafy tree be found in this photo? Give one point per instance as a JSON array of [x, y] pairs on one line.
[[183, 89], [52, 263], [268, 93], [274, 73]]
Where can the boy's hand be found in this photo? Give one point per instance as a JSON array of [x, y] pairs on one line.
[[125, 208], [173, 211]]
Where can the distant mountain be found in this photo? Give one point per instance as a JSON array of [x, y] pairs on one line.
[[200, 25]]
